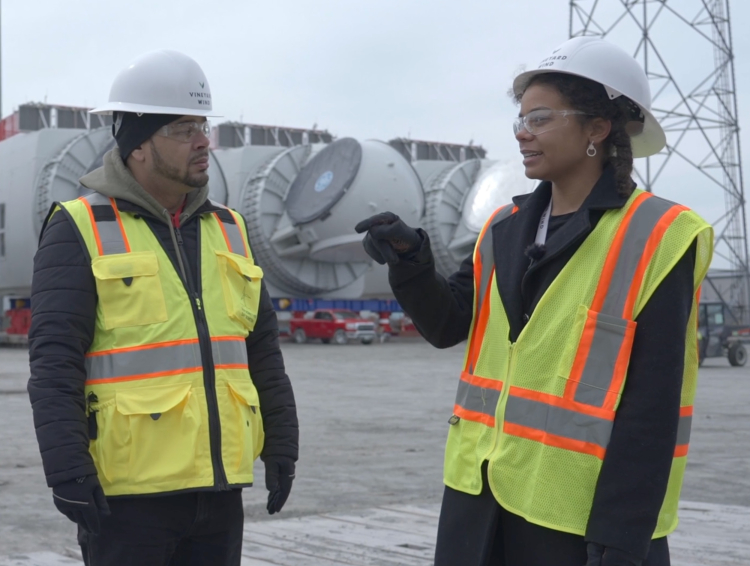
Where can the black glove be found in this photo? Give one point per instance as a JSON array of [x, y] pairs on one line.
[[607, 556], [82, 501], [388, 237], [279, 478]]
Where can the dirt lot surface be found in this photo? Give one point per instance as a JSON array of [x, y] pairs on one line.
[[373, 425]]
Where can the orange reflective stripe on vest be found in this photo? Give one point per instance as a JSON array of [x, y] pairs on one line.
[[484, 270], [485, 255], [683, 431], [604, 352], [476, 399], [582, 419], [163, 359], [233, 235]]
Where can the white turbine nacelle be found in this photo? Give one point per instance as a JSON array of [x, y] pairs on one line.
[[301, 204], [497, 183], [460, 197]]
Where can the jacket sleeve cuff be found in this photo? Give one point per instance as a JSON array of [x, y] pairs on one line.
[[276, 450], [74, 473]]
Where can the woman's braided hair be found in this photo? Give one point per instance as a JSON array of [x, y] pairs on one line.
[[590, 97]]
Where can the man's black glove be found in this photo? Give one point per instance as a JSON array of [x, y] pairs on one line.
[[279, 478], [82, 501], [388, 237], [607, 556]]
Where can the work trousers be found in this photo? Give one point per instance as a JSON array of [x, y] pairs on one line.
[[474, 530], [191, 529]]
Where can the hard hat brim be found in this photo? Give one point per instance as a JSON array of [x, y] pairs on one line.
[[649, 142], [111, 107]]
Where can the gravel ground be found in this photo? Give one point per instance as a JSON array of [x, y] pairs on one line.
[[373, 424]]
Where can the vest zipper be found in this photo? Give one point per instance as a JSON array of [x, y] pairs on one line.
[[209, 375]]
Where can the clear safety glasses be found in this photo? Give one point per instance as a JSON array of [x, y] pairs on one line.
[[543, 120], [184, 131]]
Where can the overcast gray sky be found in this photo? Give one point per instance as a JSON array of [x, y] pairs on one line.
[[430, 69]]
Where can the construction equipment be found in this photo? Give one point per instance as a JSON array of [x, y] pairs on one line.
[[717, 338]]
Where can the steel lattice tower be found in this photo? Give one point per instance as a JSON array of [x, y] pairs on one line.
[[685, 46]]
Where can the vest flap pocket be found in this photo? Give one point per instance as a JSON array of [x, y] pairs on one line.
[[245, 392], [151, 400], [122, 266], [242, 265], [240, 280], [243, 423], [155, 437]]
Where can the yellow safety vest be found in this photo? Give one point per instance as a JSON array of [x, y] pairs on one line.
[[167, 373], [541, 409]]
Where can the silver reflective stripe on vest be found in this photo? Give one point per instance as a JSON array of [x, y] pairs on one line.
[[683, 430], [486, 254], [229, 352], [110, 234], [236, 242], [235, 239], [642, 224], [558, 421], [597, 374], [477, 399], [609, 334], [158, 360]]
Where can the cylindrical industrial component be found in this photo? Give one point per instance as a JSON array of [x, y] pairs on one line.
[[496, 185], [460, 198], [57, 181], [21, 158], [239, 164], [302, 205]]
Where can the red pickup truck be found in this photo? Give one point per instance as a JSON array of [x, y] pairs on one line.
[[335, 325]]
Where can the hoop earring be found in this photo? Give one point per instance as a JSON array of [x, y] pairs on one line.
[[591, 150]]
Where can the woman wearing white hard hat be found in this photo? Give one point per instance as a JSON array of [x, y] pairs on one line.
[[570, 429]]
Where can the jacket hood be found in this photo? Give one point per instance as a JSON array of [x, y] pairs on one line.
[[115, 180]]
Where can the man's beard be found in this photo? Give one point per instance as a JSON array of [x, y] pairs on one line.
[[173, 173]]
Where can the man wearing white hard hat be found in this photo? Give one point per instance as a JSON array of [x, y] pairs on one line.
[[156, 374], [570, 429]]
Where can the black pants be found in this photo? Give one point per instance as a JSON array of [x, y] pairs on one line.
[[192, 529], [475, 531]]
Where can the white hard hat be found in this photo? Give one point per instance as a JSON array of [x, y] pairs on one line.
[[160, 82], [617, 72]]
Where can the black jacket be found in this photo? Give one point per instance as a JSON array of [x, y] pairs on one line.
[[633, 480], [63, 315]]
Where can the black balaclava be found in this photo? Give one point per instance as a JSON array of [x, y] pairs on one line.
[[131, 129]]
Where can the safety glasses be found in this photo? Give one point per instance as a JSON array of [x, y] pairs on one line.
[[543, 120], [184, 131]]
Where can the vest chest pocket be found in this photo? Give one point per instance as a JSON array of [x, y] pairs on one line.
[[240, 281], [596, 358], [129, 289]]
